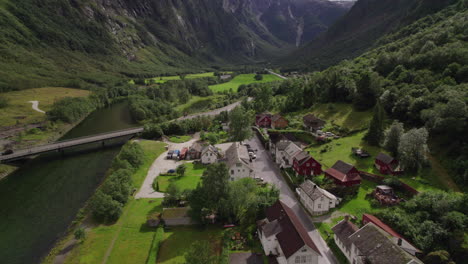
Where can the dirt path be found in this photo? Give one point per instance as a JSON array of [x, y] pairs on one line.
[[442, 174], [161, 164], [35, 106]]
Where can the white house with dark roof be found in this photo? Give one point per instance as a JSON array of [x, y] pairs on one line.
[[369, 245], [315, 199], [209, 155], [238, 162], [284, 238]]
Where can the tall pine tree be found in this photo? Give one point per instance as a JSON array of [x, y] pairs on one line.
[[376, 128]]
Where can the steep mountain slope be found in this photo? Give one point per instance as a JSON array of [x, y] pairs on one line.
[[359, 29], [75, 42]]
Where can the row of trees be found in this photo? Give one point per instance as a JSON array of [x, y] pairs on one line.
[[70, 109], [107, 203]]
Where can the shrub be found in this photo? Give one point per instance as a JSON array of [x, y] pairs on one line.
[[104, 208], [133, 153], [80, 234]]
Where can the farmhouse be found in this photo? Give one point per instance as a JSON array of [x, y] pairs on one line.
[[195, 151], [209, 155], [396, 238], [277, 121], [305, 165], [343, 174], [263, 120], [369, 245], [312, 123], [284, 237], [238, 162], [285, 152], [387, 165], [315, 199]]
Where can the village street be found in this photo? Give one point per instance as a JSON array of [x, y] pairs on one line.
[[265, 168]]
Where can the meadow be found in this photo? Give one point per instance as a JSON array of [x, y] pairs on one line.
[[189, 181], [163, 79], [243, 79], [19, 110]]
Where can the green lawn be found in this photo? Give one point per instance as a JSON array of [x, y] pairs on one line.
[[178, 240], [340, 149], [133, 238], [340, 114], [164, 79], [187, 182], [359, 205], [243, 79], [179, 139], [200, 104], [20, 111]]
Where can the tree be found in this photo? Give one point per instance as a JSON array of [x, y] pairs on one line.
[[263, 98], [367, 90], [172, 195], [412, 149], [104, 208], [180, 170], [80, 234], [258, 77], [375, 132], [240, 122], [133, 153], [200, 252], [393, 136], [437, 257]]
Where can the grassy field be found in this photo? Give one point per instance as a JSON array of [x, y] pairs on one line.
[[243, 79], [339, 114], [177, 241], [164, 79], [179, 139], [129, 239], [187, 182], [340, 149], [199, 104], [19, 111]]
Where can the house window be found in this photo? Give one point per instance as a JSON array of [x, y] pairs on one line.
[[309, 259], [232, 172], [297, 259], [319, 206], [303, 259], [308, 165], [303, 250]]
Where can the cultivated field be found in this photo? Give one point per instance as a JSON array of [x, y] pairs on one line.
[[19, 110], [243, 79]]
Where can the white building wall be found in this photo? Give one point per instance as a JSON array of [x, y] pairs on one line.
[[305, 253], [209, 157], [238, 172], [269, 244], [319, 206]]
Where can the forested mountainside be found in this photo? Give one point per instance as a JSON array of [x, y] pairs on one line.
[[359, 30], [419, 75], [70, 42]]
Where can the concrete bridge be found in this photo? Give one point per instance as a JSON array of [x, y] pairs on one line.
[[58, 146]]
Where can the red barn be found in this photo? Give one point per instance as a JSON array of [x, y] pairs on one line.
[[305, 165], [387, 165], [343, 174], [263, 120]]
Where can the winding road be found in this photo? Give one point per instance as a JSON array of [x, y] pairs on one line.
[[35, 106]]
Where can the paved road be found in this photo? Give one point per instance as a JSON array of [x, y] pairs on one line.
[[161, 165], [35, 106], [265, 168], [274, 73]]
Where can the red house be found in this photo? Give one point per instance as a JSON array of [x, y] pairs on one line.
[[343, 174], [305, 165], [263, 120], [387, 165]]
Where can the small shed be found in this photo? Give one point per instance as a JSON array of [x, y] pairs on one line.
[[387, 164]]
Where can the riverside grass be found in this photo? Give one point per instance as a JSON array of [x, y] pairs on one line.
[[243, 79]]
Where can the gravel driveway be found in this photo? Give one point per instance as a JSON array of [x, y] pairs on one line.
[[265, 168]]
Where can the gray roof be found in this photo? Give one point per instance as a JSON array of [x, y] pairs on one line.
[[384, 158], [210, 148], [376, 246], [302, 156], [282, 145], [197, 146], [343, 230], [342, 167], [271, 228], [314, 191], [237, 153]]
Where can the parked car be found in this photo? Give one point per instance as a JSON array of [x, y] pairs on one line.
[[252, 155], [171, 171], [183, 153], [176, 154], [259, 179], [170, 153], [329, 134]]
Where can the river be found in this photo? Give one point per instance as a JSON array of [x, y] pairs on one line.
[[40, 200]]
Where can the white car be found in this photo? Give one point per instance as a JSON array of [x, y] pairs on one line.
[[252, 155]]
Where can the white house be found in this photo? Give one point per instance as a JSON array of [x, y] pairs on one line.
[[285, 152], [238, 162], [209, 155], [369, 245], [283, 236], [315, 199]]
